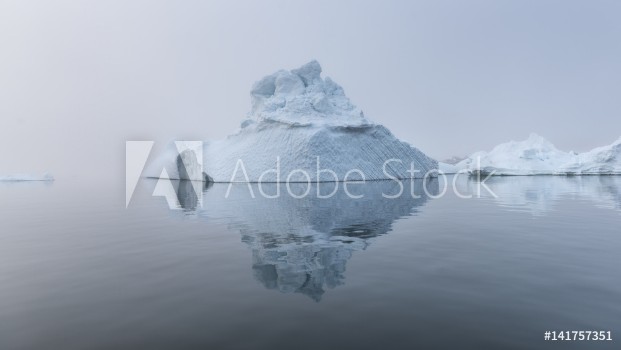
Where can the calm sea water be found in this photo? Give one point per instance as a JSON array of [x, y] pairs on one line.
[[80, 271]]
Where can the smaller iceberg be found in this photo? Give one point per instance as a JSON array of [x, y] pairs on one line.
[[538, 156], [604, 160], [27, 177], [533, 156]]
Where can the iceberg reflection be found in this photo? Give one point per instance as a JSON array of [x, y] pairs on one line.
[[302, 245]]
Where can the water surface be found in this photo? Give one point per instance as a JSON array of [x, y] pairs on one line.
[[78, 270]]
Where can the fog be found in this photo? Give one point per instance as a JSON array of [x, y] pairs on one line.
[[79, 78]]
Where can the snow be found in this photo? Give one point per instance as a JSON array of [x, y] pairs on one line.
[[600, 160], [301, 98], [538, 156], [27, 177], [301, 121]]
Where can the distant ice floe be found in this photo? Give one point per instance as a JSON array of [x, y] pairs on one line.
[[538, 156], [26, 177], [300, 121]]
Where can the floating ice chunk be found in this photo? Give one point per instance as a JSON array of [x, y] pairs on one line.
[[27, 177]]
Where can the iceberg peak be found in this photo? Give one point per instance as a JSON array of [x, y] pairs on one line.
[[309, 73], [301, 97], [534, 137], [534, 144], [537, 141]]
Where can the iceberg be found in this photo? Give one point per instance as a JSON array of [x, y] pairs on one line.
[[301, 128], [27, 177], [533, 156], [601, 160], [538, 156]]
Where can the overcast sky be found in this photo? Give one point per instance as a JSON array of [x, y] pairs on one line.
[[78, 78]]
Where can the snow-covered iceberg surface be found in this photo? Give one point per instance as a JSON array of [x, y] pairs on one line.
[[27, 177], [600, 160], [538, 156], [300, 121]]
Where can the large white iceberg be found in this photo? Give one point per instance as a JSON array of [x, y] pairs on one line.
[[300, 121], [538, 156]]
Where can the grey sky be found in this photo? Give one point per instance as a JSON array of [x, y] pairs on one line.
[[78, 78]]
